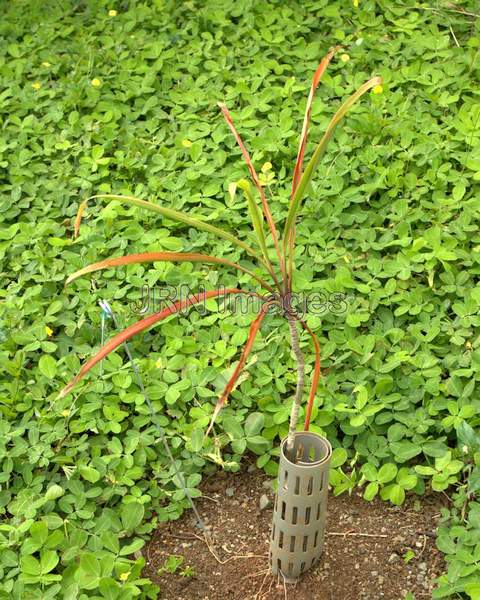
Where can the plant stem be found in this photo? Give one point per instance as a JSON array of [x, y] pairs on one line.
[[300, 384]]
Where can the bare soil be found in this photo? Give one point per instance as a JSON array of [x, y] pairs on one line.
[[365, 556]]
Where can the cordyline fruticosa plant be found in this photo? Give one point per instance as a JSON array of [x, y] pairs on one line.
[[279, 271]]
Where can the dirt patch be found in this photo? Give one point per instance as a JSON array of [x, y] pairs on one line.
[[365, 555]]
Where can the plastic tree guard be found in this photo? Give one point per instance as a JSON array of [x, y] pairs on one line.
[[300, 511]]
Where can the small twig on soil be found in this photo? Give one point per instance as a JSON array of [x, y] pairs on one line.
[[184, 537], [354, 533], [258, 594], [424, 546], [258, 574], [431, 534], [269, 588], [210, 498], [208, 541]]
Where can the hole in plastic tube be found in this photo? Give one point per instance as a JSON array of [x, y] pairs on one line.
[[302, 566], [305, 542], [297, 485], [310, 487], [315, 540], [285, 480], [294, 515], [279, 564], [283, 510], [280, 540], [292, 543], [307, 515], [273, 532], [318, 510]]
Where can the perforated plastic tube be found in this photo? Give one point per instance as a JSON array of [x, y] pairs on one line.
[[300, 511]]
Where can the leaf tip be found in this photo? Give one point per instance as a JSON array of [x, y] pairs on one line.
[[78, 218]]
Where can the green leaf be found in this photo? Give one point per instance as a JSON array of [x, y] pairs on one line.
[[405, 450], [468, 437], [357, 420], [258, 444], [47, 366], [256, 216], [39, 532], [110, 541], [30, 565], [422, 470], [196, 439], [131, 515], [339, 457], [254, 424], [406, 480], [132, 547], [445, 544], [473, 590], [109, 588], [362, 396], [371, 491], [394, 493], [89, 473], [53, 492], [48, 561], [233, 428], [88, 573], [369, 472], [387, 472]]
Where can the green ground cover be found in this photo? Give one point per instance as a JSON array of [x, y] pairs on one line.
[[95, 101]]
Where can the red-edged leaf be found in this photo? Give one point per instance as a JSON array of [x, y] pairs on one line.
[[297, 173], [256, 181], [307, 175], [308, 112], [162, 256], [169, 213], [315, 377], [254, 327], [140, 326]]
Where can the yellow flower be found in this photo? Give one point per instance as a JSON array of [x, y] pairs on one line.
[[158, 364], [65, 413], [186, 143], [378, 89], [48, 331], [125, 576], [46, 64], [344, 57], [112, 13], [37, 85], [96, 82], [355, 3], [266, 167]]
